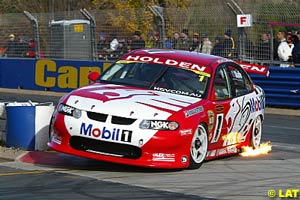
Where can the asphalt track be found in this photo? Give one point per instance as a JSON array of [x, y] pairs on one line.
[[50, 175]]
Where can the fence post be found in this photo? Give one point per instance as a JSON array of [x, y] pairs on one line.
[[158, 12], [35, 26], [241, 32], [92, 20], [272, 43]]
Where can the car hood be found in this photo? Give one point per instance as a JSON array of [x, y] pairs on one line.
[[127, 101]]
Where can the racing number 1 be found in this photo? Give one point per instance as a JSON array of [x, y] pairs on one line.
[[126, 136], [218, 128]]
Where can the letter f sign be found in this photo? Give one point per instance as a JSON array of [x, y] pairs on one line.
[[243, 20]]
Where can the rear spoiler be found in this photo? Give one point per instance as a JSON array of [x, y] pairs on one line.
[[255, 69]]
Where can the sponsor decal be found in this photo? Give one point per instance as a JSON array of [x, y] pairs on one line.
[[202, 75], [232, 149], [55, 138], [191, 94], [236, 74], [165, 61], [211, 153], [185, 132], [257, 104], [165, 157], [161, 125], [231, 138], [153, 99], [222, 151], [227, 150], [211, 120], [193, 111], [219, 108], [256, 69], [68, 110], [104, 133]]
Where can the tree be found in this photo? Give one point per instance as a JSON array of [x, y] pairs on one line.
[[132, 15]]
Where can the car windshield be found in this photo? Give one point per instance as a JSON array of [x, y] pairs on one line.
[[158, 77]]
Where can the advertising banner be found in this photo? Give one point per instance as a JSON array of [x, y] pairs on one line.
[[50, 75]]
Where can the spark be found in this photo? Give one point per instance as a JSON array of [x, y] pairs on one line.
[[263, 149]]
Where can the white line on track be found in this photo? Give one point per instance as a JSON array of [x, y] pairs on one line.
[[283, 127], [286, 147]]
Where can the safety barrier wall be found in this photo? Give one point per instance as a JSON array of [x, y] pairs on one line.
[[282, 87], [50, 75]]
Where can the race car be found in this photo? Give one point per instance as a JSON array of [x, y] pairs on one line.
[[162, 109]]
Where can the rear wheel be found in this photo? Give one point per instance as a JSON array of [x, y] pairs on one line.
[[199, 146], [256, 133]]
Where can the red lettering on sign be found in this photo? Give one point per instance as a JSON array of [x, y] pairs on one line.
[[243, 20]]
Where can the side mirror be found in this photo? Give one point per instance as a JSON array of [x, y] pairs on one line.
[[93, 76]]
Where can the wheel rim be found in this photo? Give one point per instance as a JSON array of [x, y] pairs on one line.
[[199, 145], [256, 132]]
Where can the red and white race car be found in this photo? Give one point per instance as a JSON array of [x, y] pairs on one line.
[[163, 109]]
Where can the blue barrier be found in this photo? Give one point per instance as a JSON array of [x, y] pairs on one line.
[[282, 87], [27, 126], [20, 127]]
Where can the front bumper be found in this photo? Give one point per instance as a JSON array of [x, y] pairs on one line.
[[166, 149]]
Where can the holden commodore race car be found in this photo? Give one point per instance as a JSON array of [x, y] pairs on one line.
[[162, 109]]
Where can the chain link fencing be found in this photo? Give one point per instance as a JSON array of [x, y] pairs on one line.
[[67, 35]]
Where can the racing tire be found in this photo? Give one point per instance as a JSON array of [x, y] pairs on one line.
[[256, 133], [199, 147]]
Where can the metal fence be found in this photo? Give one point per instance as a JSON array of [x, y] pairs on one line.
[[70, 40]]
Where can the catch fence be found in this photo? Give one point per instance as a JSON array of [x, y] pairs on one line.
[[57, 36]]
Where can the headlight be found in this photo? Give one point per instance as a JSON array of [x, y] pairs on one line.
[[68, 110], [159, 125]]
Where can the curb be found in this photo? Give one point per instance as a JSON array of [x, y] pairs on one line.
[[283, 111], [10, 153], [33, 92]]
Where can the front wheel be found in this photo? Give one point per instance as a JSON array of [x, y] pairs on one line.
[[199, 146], [256, 133]]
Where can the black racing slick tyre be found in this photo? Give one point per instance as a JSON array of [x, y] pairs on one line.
[[199, 146]]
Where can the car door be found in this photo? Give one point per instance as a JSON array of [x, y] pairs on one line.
[[222, 96], [240, 113], [233, 95]]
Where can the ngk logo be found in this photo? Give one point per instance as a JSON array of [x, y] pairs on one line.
[[115, 134], [159, 125]]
